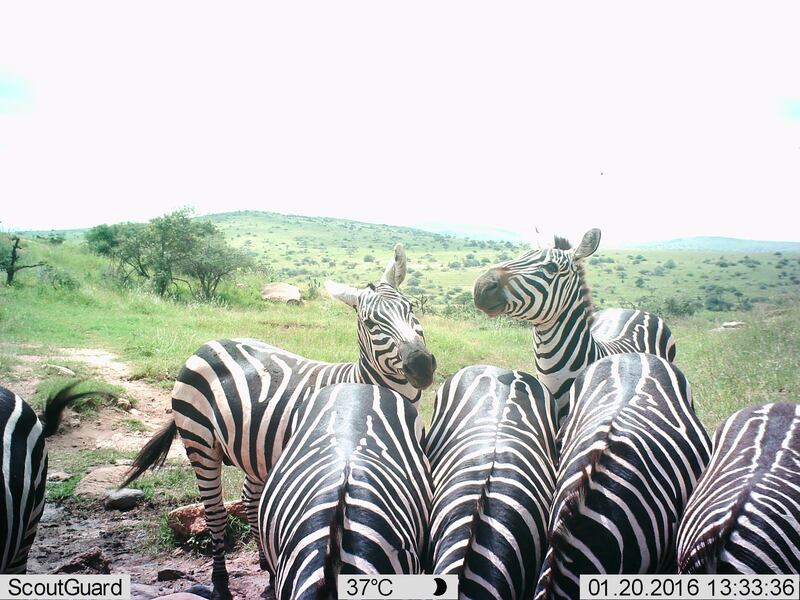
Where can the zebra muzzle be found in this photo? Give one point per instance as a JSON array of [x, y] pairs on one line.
[[419, 366]]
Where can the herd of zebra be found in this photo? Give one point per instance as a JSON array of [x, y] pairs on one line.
[[519, 485]]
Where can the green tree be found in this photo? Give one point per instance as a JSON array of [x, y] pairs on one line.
[[212, 261]]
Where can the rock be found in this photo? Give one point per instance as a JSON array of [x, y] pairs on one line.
[[732, 324], [124, 499], [58, 476], [182, 596], [140, 591], [125, 462], [170, 575], [191, 520], [60, 370], [281, 292], [97, 484], [74, 422], [204, 591], [124, 404], [51, 515], [135, 413], [88, 563]]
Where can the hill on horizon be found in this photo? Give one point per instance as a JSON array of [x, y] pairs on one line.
[[455, 233], [709, 243]]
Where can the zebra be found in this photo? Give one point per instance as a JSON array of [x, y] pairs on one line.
[[234, 399], [492, 450], [547, 287], [632, 451], [351, 493], [23, 470], [744, 515]]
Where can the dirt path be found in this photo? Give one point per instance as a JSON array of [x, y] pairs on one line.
[[66, 532], [105, 430]]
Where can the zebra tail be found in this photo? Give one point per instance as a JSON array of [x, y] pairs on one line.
[[333, 557], [475, 523], [704, 556], [153, 454], [480, 508], [59, 399], [559, 538]]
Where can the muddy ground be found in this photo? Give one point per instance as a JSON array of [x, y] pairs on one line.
[[69, 531]]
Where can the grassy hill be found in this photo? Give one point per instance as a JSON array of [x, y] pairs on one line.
[[444, 268], [720, 244]]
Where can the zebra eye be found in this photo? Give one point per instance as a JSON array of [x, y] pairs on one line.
[[369, 323]]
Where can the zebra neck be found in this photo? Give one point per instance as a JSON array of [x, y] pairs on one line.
[[365, 373], [563, 348]]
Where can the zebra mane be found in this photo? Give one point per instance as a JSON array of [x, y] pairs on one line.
[[562, 243], [327, 589]]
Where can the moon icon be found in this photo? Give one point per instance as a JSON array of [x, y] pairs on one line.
[[441, 586]]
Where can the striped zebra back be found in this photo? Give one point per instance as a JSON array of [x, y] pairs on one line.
[[621, 330], [23, 460], [350, 494], [744, 516], [492, 451], [632, 451]]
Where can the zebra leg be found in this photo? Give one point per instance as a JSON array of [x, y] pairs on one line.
[[207, 465], [251, 495]]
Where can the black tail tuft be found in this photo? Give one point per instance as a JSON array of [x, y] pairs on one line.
[[153, 454], [59, 399], [333, 557]]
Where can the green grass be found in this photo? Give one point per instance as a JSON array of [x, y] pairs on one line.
[[732, 369], [86, 405], [175, 484], [8, 364], [133, 424]]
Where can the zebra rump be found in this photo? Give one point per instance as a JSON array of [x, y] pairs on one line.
[[492, 452], [351, 493], [632, 451], [23, 470], [744, 516]]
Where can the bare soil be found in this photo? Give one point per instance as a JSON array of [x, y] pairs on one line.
[[66, 532]]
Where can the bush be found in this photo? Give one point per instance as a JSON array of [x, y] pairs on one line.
[[58, 278], [715, 302]]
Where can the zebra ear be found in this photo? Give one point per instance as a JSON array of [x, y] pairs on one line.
[[538, 239], [345, 293], [396, 269], [588, 245]]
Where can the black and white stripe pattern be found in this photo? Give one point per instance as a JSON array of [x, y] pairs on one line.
[[24, 467], [547, 287], [351, 493], [744, 515], [632, 451], [233, 400], [23, 470], [492, 451]]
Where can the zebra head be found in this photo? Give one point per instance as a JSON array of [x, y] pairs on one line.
[[390, 336], [538, 285]]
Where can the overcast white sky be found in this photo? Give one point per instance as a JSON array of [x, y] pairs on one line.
[[648, 120]]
